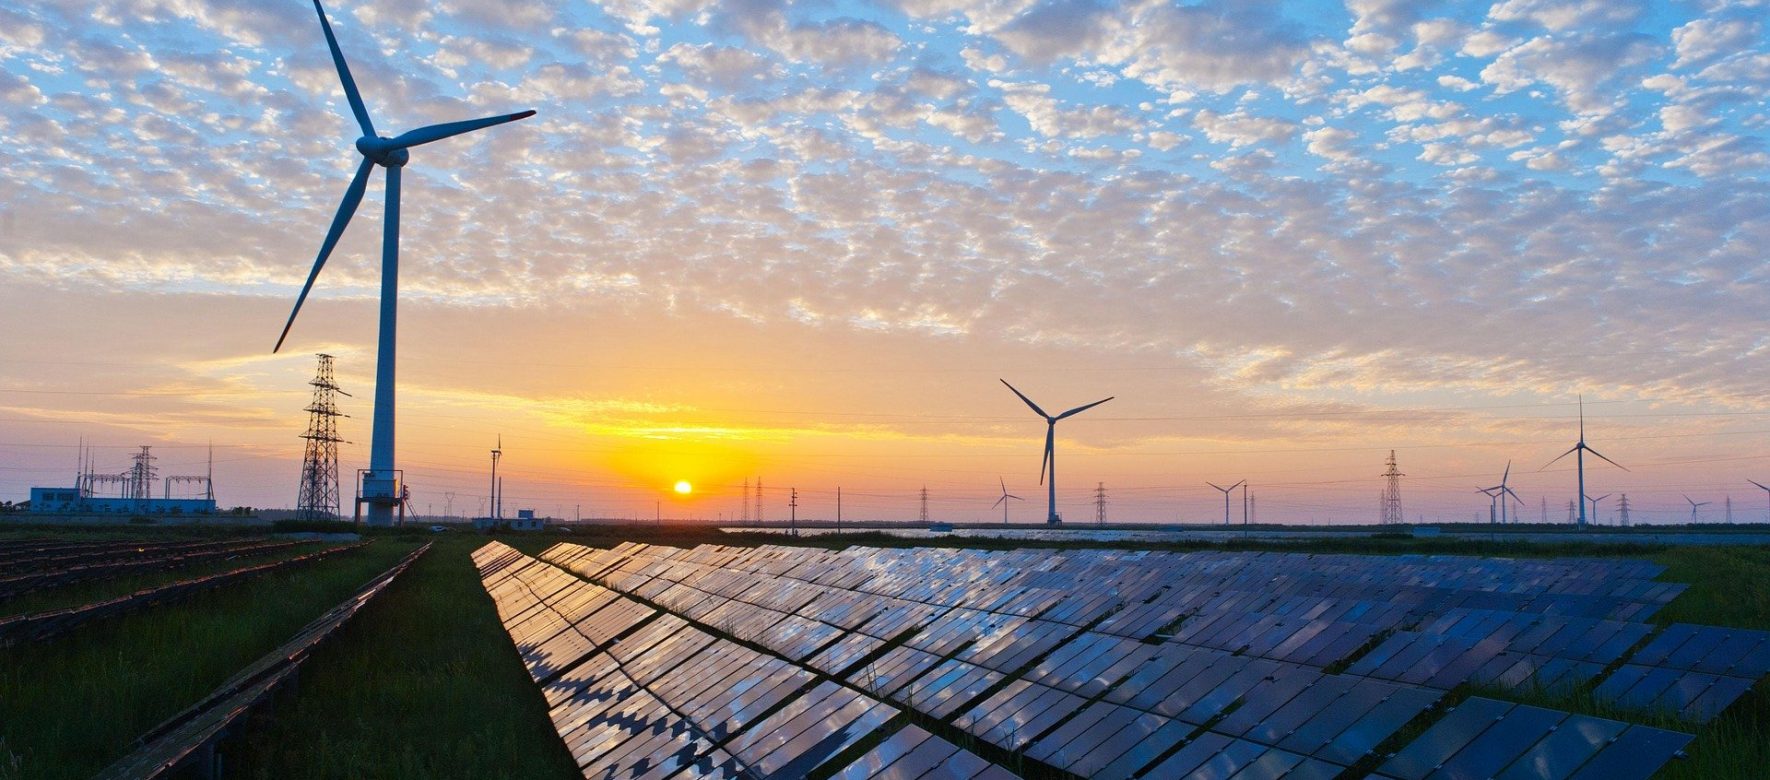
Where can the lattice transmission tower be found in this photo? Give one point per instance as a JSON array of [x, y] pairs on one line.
[[1100, 504], [924, 503], [1392, 493], [319, 497]]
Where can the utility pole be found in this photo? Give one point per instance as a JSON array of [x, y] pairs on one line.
[[1100, 504], [924, 504], [746, 517], [1545, 500], [759, 501], [793, 509], [1252, 515], [838, 509], [1730, 510], [657, 510]]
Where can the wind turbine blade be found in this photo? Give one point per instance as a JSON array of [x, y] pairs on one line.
[[1759, 484], [1050, 442], [1607, 460], [350, 93], [1687, 498], [998, 502], [1035, 407], [1569, 451], [1508, 474], [1016, 498], [1004, 485], [1215, 485], [353, 195], [1080, 409], [1514, 495], [424, 135]]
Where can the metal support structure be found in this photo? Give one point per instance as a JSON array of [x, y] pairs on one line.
[[793, 509], [1392, 493], [319, 496], [924, 514], [1100, 504]]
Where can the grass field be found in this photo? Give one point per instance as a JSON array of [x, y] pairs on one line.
[[98, 590], [424, 683], [71, 706]]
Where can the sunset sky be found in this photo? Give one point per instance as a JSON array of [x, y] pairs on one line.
[[802, 242]]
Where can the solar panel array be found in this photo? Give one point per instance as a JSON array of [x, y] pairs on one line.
[[1107, 663], [639, 693]]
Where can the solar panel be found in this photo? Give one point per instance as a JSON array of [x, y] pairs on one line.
[[1562, 752], [1439, 743], [1503, 742], [1638, 752], [873, 763]]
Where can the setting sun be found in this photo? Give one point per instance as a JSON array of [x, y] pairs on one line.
[[684, 488]]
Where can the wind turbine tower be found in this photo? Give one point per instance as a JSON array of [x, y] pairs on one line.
[[1049, 461], [1579, 451], [1594, 503], [381, 484], [1693, 507], [1503, 493], [1226, 492], [1003, 501]]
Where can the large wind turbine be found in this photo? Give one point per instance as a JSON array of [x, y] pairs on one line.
[[381, 486], [1003, 501], [1226, 492], [1693, 507], [1580, 460], [1049, 461]]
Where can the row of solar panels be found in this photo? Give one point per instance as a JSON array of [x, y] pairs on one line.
[[1430, 635], [635, 693], [1089, 703]]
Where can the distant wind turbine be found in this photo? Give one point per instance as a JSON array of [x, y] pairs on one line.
[[1580, 459], [1048, 463], [381, 488], [1003, 501], [1501, 491], [1766, 489], [1493, 497], [1226, 492], [1693, 506], [1594, 503]]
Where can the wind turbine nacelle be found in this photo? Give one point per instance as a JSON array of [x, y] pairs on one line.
[[382, 151]]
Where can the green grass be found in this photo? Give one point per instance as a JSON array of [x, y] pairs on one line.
[[1729, 586], [92, 591], [423, 683], [71, 706]]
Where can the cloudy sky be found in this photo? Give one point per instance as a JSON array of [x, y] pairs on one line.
[[802, 241]]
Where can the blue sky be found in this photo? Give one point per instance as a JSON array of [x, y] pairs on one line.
[[1297, 208]]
